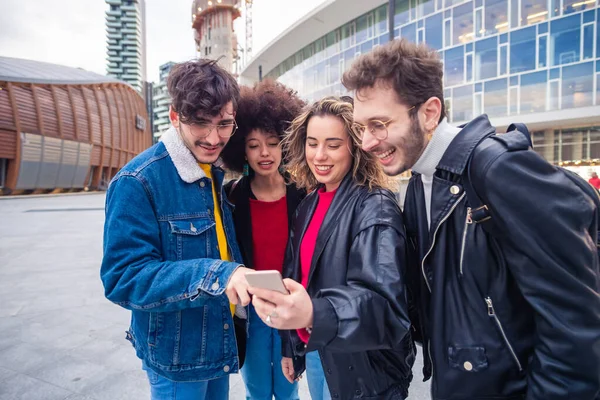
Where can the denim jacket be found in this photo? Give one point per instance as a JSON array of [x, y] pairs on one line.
[[161, 261]]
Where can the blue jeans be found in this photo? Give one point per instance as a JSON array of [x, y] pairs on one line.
[[317, 385], [262, 369], [163, 389]]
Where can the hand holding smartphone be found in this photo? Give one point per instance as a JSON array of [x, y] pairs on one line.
[[269, 279]]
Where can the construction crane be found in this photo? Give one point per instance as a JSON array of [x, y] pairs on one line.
[[248, 30]]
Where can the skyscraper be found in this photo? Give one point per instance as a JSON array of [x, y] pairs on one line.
[[160, 102], [212, 21], [126, 41]]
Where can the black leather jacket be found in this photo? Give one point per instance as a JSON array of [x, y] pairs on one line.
[[515, 315], [357, 286]]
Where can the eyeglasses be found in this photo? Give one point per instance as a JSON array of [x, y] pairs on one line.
[[202, 130], [377, 128]]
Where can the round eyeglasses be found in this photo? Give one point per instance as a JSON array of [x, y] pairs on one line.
[[377, 128], [202, 130]]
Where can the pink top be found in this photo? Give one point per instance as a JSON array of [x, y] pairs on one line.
[[307, 247]]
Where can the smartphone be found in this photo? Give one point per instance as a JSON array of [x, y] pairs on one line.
[[269, 279]]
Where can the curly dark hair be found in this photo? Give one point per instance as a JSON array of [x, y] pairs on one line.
[[415, 71], [268, 106], [201, 87]]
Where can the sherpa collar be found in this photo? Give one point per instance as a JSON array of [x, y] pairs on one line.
[[185, 162]]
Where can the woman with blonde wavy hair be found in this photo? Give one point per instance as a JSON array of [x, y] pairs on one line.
[[345, 318]]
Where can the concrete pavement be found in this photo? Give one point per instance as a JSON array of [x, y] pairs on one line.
[[60, 339]]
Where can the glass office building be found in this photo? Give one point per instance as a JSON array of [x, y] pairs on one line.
[[532, 61]]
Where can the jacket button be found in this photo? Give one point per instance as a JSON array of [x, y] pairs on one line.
[[454, 189], [468, 366], [350, 368], [358, 392], [226, 326], [202, 184], [215, 286], [226, 368], [328, 371]]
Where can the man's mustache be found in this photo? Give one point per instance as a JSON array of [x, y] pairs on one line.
[[200, 143]]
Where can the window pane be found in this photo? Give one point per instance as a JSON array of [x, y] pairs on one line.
[[533, 11], [469, 67], [402, 15], [595, 142], [588, 42], [462, 101], [478, 109], [542, 51], [381, 22], [553, 96], [514, 100], [454, 66], [522, 46], [573, 142], [361, 29], [514, 13], [597, 89], [347, 35], [463, 23], [533, 92], [571, 6], [425, 7], [577, 84], [479, 31], [409, 32], [495, 97], [565, 40], [496, 16], [503, 60], [448, 33], [486, 58], [433, 31]]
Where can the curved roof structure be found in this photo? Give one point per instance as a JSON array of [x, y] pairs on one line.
[[21, 70]]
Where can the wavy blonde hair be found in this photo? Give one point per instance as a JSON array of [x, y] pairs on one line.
[[366, 170]]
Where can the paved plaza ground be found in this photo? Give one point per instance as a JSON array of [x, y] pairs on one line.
[[59, 337]]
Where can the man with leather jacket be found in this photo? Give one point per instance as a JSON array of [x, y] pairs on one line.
[[506, 291]]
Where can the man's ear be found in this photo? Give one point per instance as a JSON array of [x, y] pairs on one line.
[[432, 109], [174, 117]]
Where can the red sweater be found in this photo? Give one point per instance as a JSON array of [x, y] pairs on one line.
[[269, 233], [307, 247]]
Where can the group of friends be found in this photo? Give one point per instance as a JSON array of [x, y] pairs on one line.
[[491, 269]]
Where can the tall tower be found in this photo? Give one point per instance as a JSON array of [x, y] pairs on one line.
[[126, 42], [212, 21]]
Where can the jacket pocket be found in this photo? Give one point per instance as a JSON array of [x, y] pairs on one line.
[[467, 358], [191, 238], [494, 317]]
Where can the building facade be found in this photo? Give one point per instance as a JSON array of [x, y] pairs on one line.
[[212, 21], [126, 42], [65, 128], [161, 102], [531, 61]]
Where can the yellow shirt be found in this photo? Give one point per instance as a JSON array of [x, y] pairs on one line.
[[221, 238]]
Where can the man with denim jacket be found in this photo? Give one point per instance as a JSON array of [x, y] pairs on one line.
[[170, 253], [508, 293]]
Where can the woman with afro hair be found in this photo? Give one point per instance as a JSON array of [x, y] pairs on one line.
[[265, 202]]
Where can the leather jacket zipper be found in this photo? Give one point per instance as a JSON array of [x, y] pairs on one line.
[[492, 314], [468, 221], [434, 237]]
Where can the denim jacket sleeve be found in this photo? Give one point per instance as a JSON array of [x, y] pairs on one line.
[[134, 272], [545, 218]]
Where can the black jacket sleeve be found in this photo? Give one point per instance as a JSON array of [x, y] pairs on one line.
[[547, 229], [371, 311]]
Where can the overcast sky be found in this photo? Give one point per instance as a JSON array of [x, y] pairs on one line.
[[72, 32]]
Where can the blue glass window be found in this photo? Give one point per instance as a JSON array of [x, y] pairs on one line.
[[598, 35], [555, 73], [577, 85], [463, 23], [486, 58], [504, 38], [448, 33], [478, 3], [469, 60], [402, 15], [462, 103], [420, 36], [425, 7], [514, 80], [454, 66], [409, 32], [588, 16], [542, 51], [522, 47], [383, 39], [503, 60], [420, 23], [433, 31], [543, 28], [495, 97], [362, 28], [514, 14], [396, 33], [496, 16], [588, 42], [447, 93], [533, 92], [565, 36], [478, 87], [448, 14], [533, 11], [571, 6], [598, 70], [366, 47], [469, 47]]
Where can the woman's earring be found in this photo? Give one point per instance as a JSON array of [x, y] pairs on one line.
[[246, 169]]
